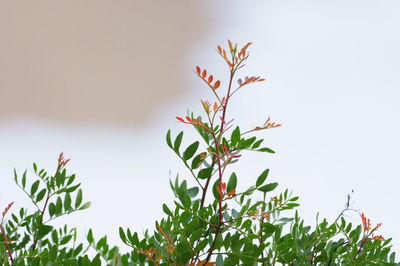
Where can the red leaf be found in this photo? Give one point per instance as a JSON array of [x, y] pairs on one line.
[[188, 119], [243, 50], [7, 208], [230, 45], [223, 186], [215, 107], [204, 74], [210, 78], [180, 119], [232, 192], [198, 70], [217, 84], [219, 49]]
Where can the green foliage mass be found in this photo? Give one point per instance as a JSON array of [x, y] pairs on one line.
[[209, 223]]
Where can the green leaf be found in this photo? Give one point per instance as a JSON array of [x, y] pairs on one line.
[[191, 226], [15, 218], [215, 192], [72, 189], [220, 260], [84, 261], [122, 235], [187, 202], [190, 151], [90, 236], [71, 179], [78, 200], [203, 243], [355, 234], [268, 229], [249, 191], [52, 254], [283, 221], [183, 252], [205, 173], [34, 187], [85, 206], [247, 143], [257, 144], [43, 230], [294, 199], [178, 142], [235, 137], [24, 179], [196, 162], [34, 167], [65, 239], [40, 195], [54, 236], [167, 210], [193, 191], [15, 176], [52, 209], [262, 177], [67, 202], [96, 261], [268, 187], [168, 138], [58, 206], [266, 150], [218, 242], [196, 235], [232, 183]]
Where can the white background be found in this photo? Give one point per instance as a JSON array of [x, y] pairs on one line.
[[332, 70]]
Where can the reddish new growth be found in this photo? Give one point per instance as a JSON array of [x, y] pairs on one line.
[[6, 242], [237, 59], [6, 210], [268, 125], [209, 80], [248, 80], [277, 201], [61, 161], [191, 121], [169, 247], [258, 214], [150, 255], [221, 189], [368, 229]]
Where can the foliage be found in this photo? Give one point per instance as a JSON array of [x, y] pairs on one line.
[[211, 223]]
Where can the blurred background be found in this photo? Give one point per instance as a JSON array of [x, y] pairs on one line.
[[102, 81]]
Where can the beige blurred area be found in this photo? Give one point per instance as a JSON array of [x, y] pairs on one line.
[[95, 61]]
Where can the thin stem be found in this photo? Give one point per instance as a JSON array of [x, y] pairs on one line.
[[212, 245], [217, 146], [203, 196], [191, 171], [59, 166]]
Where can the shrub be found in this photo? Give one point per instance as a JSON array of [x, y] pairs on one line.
[[211, 223]]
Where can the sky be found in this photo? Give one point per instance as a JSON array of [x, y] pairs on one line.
[[331, 70]]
